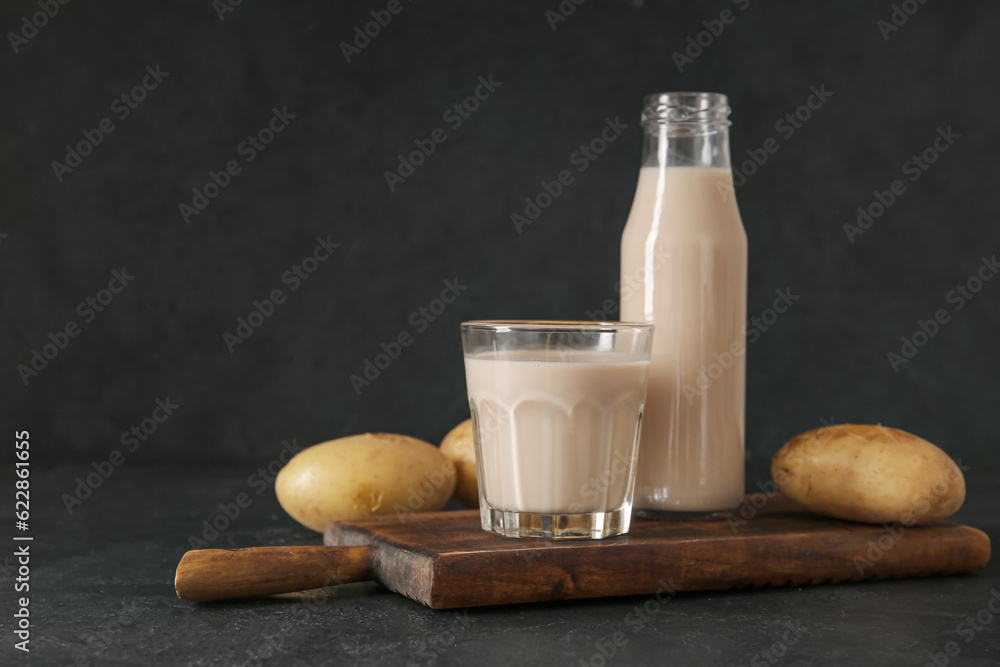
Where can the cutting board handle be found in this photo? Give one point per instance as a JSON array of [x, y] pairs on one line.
[[204, 575]]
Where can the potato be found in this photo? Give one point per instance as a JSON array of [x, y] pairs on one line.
[[460, 446], [869, 473], [364, 475]]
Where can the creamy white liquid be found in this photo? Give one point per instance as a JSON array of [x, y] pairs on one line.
[[555, 437], [684, 268]]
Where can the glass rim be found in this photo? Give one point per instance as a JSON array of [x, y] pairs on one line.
[[554, 325]]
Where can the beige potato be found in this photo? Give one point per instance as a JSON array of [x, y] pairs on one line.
[[364, 475], [460, 446], [869, 473]]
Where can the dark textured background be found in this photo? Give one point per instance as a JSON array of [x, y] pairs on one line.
[[102, 569], [825, 358]]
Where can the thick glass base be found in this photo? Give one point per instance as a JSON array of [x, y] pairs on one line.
[[679, 516], [585, 526]]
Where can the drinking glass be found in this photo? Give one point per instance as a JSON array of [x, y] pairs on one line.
[[556, 410]]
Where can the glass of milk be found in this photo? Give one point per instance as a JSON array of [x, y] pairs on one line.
[[556, 410]]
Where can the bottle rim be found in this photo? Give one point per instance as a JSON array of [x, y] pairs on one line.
[[686, 108]]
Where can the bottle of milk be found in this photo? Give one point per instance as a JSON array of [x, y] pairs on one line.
[[684, 268]]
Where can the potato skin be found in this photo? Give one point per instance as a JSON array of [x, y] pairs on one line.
[[364, 475], [869, 473], [460, 446]]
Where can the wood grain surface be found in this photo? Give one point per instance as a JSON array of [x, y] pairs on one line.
[[205, 575], [446, 560]]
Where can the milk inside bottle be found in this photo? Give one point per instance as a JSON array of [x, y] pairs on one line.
[[684, 268]]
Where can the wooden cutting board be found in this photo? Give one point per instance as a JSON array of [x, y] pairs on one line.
[[446, 560]]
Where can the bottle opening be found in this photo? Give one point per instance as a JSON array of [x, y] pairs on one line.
[[686, 109], [685, 130]]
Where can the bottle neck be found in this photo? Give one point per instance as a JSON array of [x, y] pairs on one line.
[[662, 147], [686, 130]]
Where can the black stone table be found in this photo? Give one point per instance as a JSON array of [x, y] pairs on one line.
[[101, 593]]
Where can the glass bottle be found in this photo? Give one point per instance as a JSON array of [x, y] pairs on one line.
[[684, 268]]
